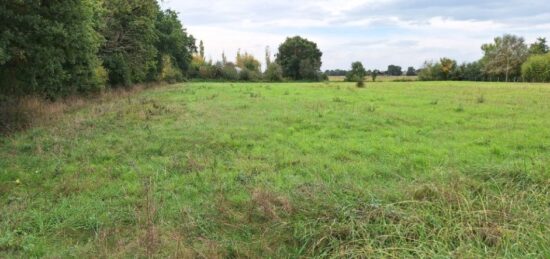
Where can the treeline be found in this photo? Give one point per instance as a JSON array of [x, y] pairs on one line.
[[297, 59], [392, 70], [60, 48], [507, 59]]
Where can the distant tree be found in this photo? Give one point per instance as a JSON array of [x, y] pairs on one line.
[[336, 72], [505, 56], [267, 56], [540, 47], [472, 71], [248, 61], [224, 58], [357, 72], [444, 69], [537, 68], [411, 71], [394, 70], [429, 71], [249, 75], [448, 69], [375, 74], [299, 58], [230, 72], [274, 73], [216, 71], [201, 49]]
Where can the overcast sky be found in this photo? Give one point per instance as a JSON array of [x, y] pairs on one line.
[[378, 33]]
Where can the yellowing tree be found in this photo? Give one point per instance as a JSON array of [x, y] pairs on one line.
[[248, 61]]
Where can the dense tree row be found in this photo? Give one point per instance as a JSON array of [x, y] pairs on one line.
[[506, 59], [353, 76], [297, 59], [58, 48]]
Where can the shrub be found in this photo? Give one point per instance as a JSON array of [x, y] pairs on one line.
[[299, 58], [360, 83], [274, 73], [245, 75], [357, 72], [248, 61], [537, 69], [204, 72], [169, 72], [230, 72], [216, 71], [119, 71]]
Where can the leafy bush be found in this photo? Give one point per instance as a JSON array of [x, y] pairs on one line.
[[245, 75], [248, 61], [204, 72], [274, 73], [230, 72], [248, 75], [300, 59], [357, 72], [119, 71], [445, 69], [216, 71], [537, 69], [169, 73]]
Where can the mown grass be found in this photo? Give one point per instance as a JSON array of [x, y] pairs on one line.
[[214, 170]]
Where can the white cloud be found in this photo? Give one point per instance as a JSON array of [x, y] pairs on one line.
[[377, 32]]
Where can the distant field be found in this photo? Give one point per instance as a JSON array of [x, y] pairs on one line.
[[378, 79], [417, 169]]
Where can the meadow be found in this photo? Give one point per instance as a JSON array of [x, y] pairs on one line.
[[290, 170]]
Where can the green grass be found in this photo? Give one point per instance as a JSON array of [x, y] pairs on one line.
[[419, 169]]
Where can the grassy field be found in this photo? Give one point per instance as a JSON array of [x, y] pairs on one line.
[[237, 170]]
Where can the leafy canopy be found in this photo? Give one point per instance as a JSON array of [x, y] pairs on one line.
[[299, 58]]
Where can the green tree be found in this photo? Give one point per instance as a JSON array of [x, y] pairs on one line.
[[411, 71], [201, 49], [472, 71], [357, 72], [173, 42], [230, 72], [129, 51], [49, 47], [248, 61], [274, 72], [394, 70], [299, 58], [539, 47], [447, 70], [505, 56], [375, 74], [537, 68]]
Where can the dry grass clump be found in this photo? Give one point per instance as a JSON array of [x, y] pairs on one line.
[[21, 113]]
